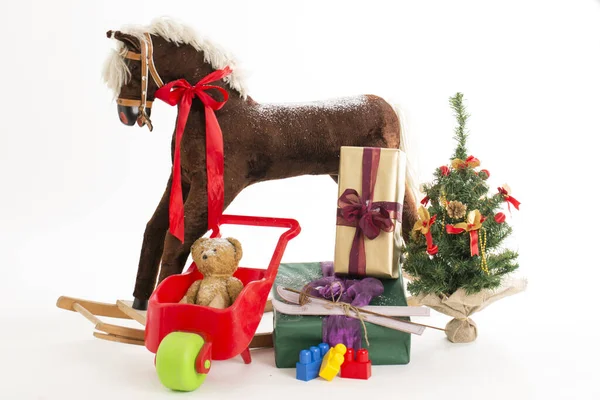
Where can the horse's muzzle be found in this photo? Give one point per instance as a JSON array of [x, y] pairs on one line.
[[129, 114]]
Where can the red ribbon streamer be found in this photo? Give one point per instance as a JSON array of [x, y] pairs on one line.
[[182, 93], [431, 248], [453, 231], [369, 218], [474, 243]]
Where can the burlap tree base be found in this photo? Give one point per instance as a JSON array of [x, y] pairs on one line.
[[461, 306]]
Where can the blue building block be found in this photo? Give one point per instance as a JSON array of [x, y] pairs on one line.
[[310, 362]]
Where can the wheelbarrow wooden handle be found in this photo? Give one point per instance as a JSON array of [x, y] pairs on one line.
[[268, 307], [262, 341]]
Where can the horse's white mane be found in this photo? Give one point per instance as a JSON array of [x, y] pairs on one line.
[[116, 73]]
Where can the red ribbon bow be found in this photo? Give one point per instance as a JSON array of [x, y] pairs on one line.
[[182, 93], [473, 224], [423, 224], [509, 199], [471, 161]]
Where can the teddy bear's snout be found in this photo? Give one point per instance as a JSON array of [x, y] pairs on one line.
[[208, 253]]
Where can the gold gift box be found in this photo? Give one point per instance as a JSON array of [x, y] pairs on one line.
[[382, 253]]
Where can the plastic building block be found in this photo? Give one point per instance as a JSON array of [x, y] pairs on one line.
[[356, 368], [310, 362], [332, 362]]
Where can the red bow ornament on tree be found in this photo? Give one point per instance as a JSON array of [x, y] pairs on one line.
[[423, 225], [471, 162], [182, 93], [473, 224], [505, 192]]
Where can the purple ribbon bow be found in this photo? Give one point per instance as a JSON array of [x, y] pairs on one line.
[[368, 217], [357, 292]]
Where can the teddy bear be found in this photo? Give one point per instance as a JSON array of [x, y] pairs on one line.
[[217, 259]]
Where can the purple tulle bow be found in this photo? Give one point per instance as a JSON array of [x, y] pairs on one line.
[[357, 292]]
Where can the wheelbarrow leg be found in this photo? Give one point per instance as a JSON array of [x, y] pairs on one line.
[[246, 356]]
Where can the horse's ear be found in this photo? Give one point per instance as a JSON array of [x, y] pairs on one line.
[[130, 41]]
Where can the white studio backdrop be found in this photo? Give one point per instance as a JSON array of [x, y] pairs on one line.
[[79, 187]]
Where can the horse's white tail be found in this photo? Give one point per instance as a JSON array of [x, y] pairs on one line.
[[405, 146]]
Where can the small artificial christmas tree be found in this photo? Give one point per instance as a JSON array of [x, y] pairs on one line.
[[454, 258]]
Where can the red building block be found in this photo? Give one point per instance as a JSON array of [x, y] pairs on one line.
[[356, 368]]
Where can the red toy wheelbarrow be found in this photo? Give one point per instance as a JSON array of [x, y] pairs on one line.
[[187, 337]]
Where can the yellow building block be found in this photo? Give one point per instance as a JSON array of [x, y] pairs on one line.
[[332, 362]]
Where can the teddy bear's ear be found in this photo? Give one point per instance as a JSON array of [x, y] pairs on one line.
[[238, 248], [198, 242]]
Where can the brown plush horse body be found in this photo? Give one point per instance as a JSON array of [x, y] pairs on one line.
[[261, 141]]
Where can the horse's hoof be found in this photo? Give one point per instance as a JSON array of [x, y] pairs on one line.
[[141, 305]]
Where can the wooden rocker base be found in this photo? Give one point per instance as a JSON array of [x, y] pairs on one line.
[[123, 309], [117, 338]]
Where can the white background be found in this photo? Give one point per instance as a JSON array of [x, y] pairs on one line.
[[78, 186]]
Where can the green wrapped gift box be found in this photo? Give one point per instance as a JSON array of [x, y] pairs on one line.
[[292, 333]]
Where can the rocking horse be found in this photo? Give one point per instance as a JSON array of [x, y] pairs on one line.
[[259, 141]]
